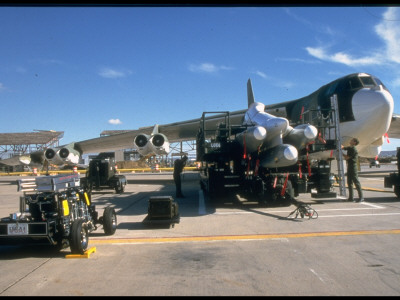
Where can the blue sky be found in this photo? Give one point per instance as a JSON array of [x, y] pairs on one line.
[[83, 70]]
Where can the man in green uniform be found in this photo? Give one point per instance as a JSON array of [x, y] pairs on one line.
[[352, 172], [178, 168]]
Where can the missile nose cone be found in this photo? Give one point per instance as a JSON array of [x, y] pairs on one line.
[[290, 153], [260, 133], [310, 132]]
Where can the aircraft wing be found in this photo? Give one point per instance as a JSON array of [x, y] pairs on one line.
[[394, 129], [175, 132]]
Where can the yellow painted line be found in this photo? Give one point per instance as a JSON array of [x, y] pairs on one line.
[[368, 189], [86, 254], [239, 237]]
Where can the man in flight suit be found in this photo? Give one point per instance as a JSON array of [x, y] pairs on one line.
[[352, 171], [179, 164]]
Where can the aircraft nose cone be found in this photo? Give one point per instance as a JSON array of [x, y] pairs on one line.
[[373, 109]]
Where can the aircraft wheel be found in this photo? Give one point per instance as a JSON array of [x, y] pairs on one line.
[[109, 221], [79, 237]]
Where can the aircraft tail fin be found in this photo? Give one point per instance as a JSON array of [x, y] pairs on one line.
[[250, 95]]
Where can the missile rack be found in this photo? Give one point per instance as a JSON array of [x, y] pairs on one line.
[[329, 137], [228, 172], [48, 183]]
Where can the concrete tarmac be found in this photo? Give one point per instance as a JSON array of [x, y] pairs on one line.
[[235, 249]]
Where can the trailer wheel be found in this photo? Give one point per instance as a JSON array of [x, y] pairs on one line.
[[109, 221], [79, 237]]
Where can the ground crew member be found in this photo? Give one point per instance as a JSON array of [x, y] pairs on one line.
[[352, 172], [179, 164]]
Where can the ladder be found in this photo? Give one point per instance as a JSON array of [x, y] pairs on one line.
[[339, 154]]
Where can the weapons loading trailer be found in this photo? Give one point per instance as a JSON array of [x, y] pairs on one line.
[[55, 210], [226, 171]]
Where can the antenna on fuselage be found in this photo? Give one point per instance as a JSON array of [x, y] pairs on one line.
[[250, 95]]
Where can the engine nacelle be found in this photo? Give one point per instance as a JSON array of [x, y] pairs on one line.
[[66, 155], [160, 144], [157, 144], [52, 157], [69, 156], [142, 144], [279, 156]]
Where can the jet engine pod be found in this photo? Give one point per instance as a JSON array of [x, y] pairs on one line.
[[49, 154], [160, 143], [66, 155], [69, 155], [52, 157], [279, 156], [64, 152], [142, 144], [141, 140]]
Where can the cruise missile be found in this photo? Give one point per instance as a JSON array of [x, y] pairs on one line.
[[282, 155], [301, 135], [275, 126], [252, 138]]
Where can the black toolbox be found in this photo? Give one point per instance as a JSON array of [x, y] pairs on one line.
[[162, 209]]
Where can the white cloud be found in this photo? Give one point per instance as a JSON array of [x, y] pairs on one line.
[[261, 74], [112, 73], [343, 58], [114, 121], [207, 68], [1, 86], [396, 82], [388, 30]]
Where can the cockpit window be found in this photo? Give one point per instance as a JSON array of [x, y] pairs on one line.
[[354, 83], [367, 81], [379, 82]]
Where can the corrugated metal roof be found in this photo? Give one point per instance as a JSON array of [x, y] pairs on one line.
[[113, 132], [28, 138]]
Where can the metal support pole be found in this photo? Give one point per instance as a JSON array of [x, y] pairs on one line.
[[339, 154]]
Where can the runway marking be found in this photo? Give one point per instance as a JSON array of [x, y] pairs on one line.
[[372, 205], [288, 211], [238, 237], [316, 274], [360, 215]]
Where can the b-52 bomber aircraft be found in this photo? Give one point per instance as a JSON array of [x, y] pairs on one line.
[[276, 135]]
